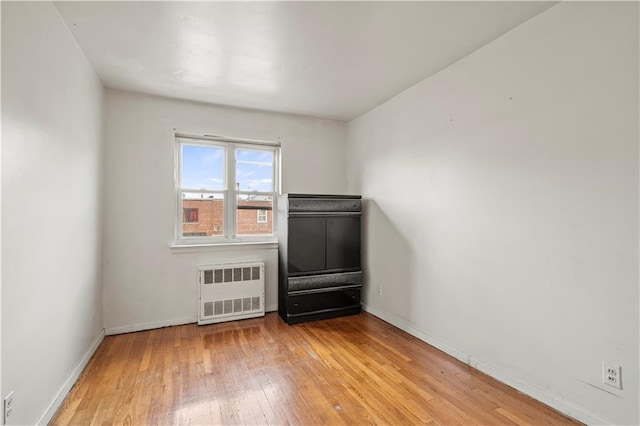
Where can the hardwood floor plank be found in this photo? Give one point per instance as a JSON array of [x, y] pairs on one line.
[[515, 419], [342, 371]]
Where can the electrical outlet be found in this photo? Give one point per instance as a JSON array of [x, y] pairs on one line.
[[8, 407], [612, 375], [379, 291]]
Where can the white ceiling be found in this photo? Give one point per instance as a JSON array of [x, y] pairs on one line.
[[333, 60]]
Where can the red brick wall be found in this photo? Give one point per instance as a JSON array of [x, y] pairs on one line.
[[211, 218], [247, 219]]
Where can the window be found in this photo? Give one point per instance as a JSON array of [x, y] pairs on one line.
[[226, 190], [262, 216], [190, 215]]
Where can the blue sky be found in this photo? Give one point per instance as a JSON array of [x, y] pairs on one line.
[[203, 168]]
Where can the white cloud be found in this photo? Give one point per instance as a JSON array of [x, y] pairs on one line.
[[254, 183]]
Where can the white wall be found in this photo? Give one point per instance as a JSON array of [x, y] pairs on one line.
[[52, 117], [0, 203], [502, 207], [147, 284]]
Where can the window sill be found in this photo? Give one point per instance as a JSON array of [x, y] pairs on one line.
[[225, 246]]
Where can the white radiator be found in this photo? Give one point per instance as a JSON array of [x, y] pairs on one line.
[[230, 292]]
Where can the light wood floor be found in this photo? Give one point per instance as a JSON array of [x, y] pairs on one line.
[[350, 370]]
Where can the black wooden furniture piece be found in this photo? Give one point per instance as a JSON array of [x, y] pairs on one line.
[[320, 274]]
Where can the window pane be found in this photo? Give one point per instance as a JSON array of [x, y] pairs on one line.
[[202, 214], [262, 216], [254, 214], [254, 170], [202, 167]]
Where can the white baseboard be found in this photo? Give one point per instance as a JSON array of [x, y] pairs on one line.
[[71, 380], [405, 325], [149, 325], [159, 324], [541, 395]]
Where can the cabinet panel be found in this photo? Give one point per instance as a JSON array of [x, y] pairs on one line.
[[343, 242], [306, 244], [324, 205], [323, 302], [311, 282]]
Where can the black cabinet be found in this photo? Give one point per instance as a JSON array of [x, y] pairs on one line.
[[323, 243], [320, 273]]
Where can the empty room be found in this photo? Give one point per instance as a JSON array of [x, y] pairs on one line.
[[320, 213]]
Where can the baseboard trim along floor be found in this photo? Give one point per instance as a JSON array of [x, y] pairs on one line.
[[71, 380], [543, 396]]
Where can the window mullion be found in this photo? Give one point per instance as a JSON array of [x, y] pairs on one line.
[[230, 207]]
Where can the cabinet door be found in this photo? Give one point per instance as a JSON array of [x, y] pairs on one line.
[[306, 250], [343, 242]]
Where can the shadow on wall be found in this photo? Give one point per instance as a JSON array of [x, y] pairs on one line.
[[388, 263]]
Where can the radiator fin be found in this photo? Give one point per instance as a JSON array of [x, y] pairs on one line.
[[228, 275], [218, 307], [208, 309]]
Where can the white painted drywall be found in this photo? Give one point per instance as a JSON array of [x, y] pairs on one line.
[[1, 394], [52, 118], [147, 284], [502, 206]]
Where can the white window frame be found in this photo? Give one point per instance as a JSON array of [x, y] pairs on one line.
[[229, 191]]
